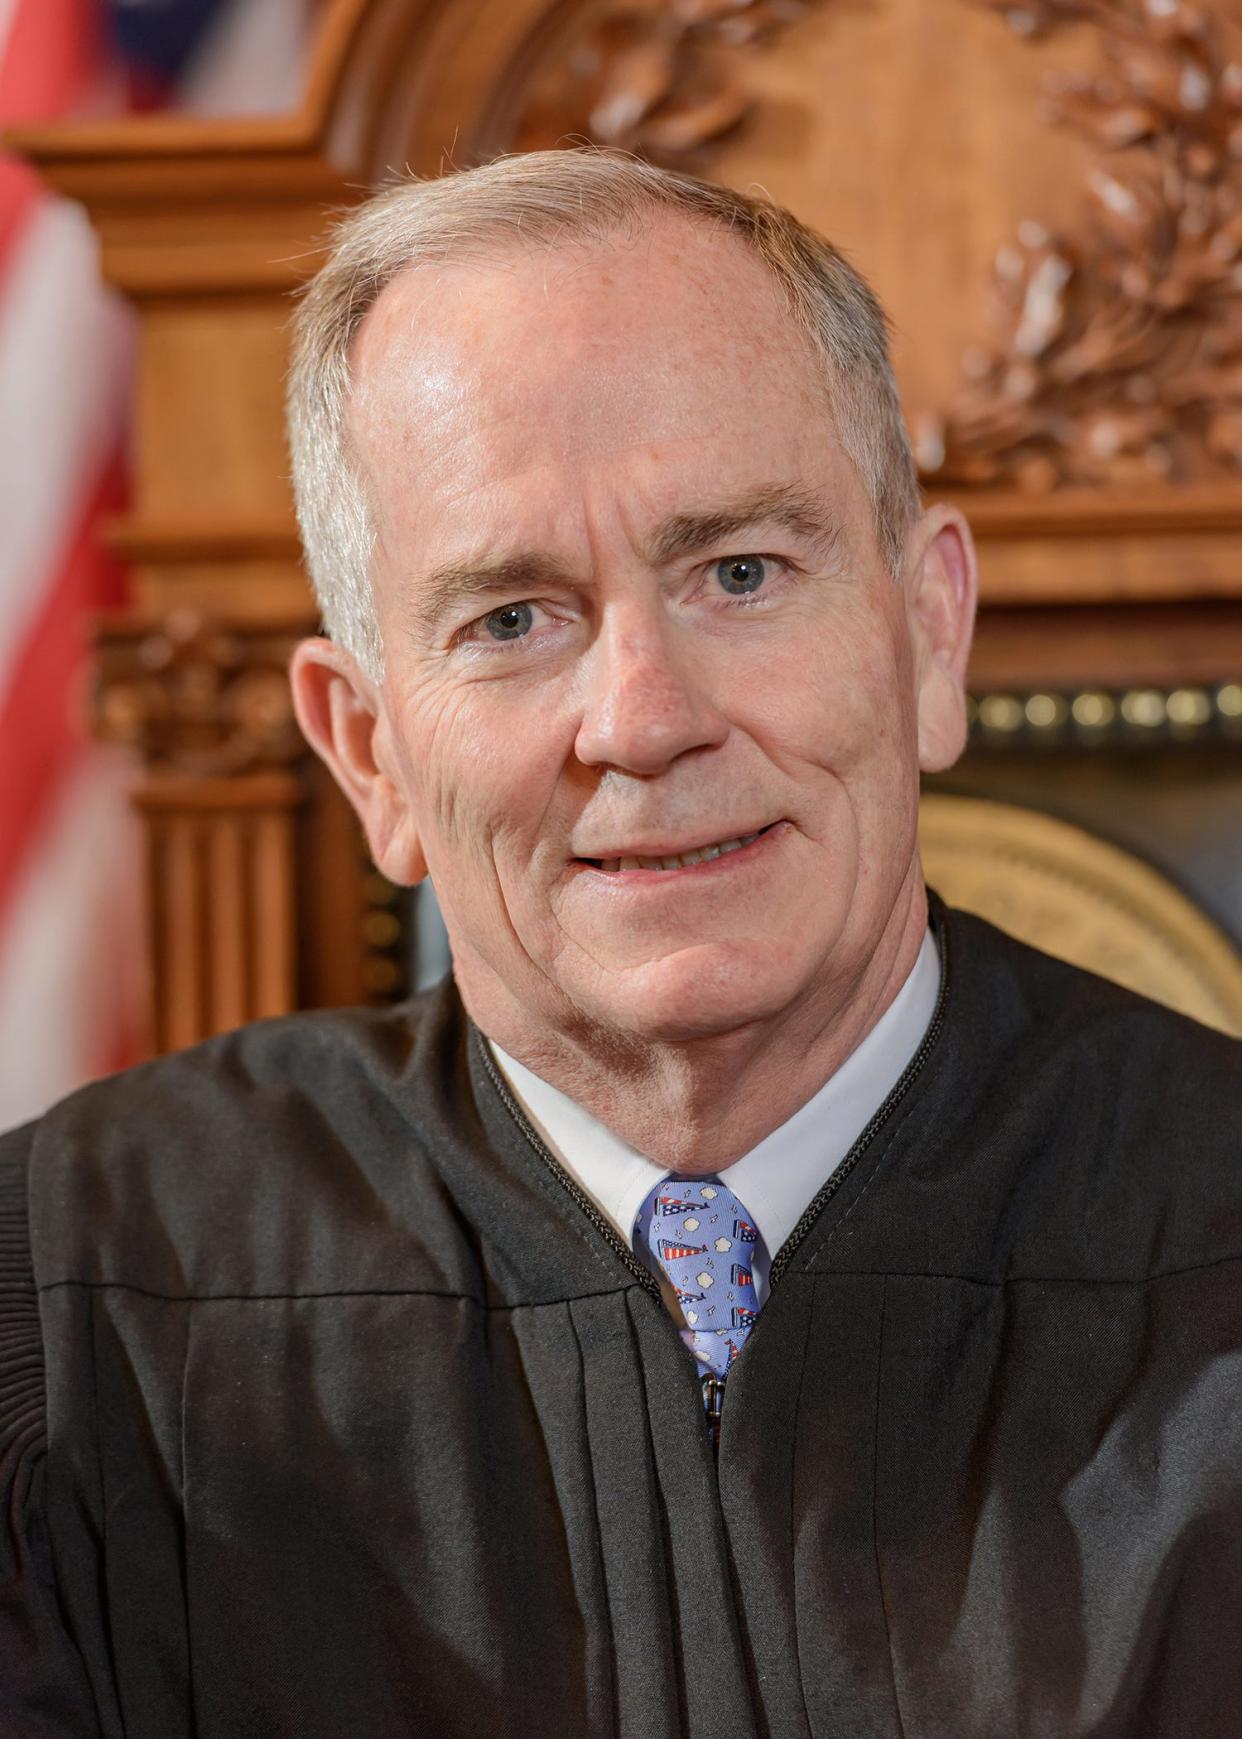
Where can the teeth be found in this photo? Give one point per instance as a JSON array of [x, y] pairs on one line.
[[684, 861]]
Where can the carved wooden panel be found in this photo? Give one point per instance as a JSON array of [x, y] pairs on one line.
[[1117, 355]]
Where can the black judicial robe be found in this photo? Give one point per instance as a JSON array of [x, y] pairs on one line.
[[328, 1407]]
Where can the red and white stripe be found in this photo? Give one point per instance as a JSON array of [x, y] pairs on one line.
[[69, 931]]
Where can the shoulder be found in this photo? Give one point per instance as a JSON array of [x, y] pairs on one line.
[[1103, 1109], [247, 1161], [294, 1074], [1058, 1015]]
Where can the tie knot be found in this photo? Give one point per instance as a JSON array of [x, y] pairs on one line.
[[703, 1240]]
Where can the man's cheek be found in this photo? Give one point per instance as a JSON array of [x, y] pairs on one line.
[[464, 775], [881, 697]]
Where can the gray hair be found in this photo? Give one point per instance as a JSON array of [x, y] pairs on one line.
[[550, 198]]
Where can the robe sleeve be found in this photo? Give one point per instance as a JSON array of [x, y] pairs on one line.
[[44, 1689]]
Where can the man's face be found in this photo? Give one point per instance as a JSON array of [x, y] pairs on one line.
[[632, 607]]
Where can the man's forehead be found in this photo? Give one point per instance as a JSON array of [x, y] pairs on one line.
[[509, 402], [572, 305], [659, 500]]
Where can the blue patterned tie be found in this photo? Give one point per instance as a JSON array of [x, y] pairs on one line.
[[703, 1239]]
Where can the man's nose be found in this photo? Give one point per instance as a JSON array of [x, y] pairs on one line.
[[645, 702]]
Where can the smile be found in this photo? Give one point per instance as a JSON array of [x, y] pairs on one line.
[[679, 860]]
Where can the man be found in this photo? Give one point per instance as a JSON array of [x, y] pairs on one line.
[[729, 1306]]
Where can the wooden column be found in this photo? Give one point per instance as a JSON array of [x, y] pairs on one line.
[[220, 863], [208, 711]]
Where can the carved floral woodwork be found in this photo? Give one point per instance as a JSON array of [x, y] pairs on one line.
[[1119, 356], [196, 696], [666, 79]]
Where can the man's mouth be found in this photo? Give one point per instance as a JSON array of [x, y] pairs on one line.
[[677, 860]]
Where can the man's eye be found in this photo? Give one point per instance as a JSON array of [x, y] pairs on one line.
[[509, 622], [742, 573]]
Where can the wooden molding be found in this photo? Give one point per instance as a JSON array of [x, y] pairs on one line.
[[1111, 645], [1063, 514], [186, 539], [174, 793]]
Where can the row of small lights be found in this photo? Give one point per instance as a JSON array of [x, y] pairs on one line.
[[1095, 709]]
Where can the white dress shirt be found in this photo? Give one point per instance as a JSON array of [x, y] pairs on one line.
[[777, 1178]]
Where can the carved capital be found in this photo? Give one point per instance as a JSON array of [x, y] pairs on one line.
[[194, 696]]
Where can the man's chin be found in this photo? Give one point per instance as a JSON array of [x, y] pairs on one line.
[[703, 992]]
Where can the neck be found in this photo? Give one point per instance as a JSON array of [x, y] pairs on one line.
[[699, 1105]]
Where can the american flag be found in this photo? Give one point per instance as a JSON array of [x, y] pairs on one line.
[[71, 974]]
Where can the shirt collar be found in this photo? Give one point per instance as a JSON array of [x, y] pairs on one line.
[[777, 1178]]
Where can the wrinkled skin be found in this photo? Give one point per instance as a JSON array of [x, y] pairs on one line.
[[564, 407]]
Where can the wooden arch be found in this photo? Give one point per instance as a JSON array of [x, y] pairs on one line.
[[1099, 462]]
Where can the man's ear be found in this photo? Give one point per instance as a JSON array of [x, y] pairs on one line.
[[342, 717], [942, 587]]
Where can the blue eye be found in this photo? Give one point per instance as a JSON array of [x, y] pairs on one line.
[[741, 573], [509, 622]]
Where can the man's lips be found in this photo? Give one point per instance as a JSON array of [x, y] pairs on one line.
[[666, 856]]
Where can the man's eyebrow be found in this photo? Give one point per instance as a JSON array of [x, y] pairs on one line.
[[445, 588], [797, 511]]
